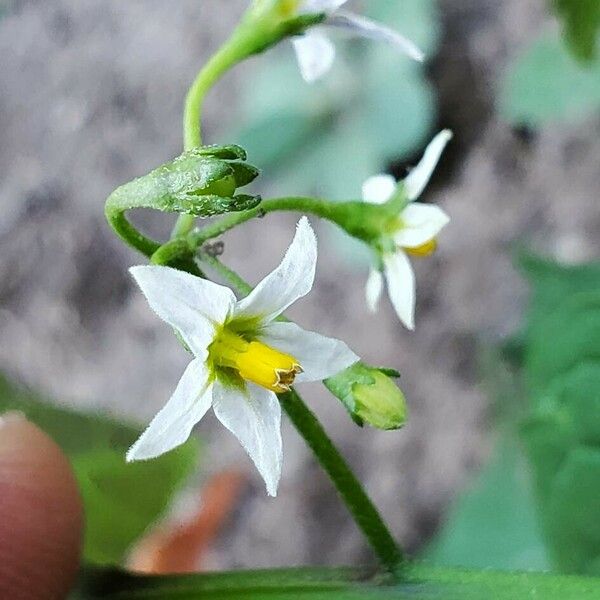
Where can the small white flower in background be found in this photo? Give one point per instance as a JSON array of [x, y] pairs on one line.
[[415, 234], [242, 356], [315, 51]]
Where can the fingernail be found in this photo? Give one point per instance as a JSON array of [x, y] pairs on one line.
[[12, 416]]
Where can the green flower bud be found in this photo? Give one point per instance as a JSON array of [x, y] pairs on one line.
[[200, 182], [370, 395]]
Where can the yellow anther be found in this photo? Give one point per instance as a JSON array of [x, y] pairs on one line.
[[255, 361], [423, 250], [268, 367]]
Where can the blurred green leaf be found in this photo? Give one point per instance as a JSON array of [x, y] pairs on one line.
[[417, 582], [562, 432], [121, 500], [373, 108], [547, 83], [581, 19], [571, 512], [494, 523]]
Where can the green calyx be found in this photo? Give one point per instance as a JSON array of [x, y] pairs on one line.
[[370, 396], [201, 182], [271, 21], [373, 224]]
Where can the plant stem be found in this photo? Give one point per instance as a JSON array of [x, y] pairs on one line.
[[240, 45], [350, 489], [316, 206]]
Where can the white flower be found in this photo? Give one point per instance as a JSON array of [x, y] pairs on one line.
[[417, 227], [243, 357], [315, 51]]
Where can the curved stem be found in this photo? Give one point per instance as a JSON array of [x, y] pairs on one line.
[[240, 45], [332, 211], [355, 498]]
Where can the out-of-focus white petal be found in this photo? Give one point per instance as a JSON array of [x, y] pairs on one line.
[[419, 177], [373, 289], [291, 280], [172, 426], [319, 356], [363, 27], [401, 286], [188, 303], [253, 415], [320, 6], [420, 224], [379, 189], [315, 54]]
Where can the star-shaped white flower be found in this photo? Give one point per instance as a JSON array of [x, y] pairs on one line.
[[316, 53], [417, 227], [243, 357]]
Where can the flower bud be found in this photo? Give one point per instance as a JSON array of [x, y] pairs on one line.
[[370, 395]]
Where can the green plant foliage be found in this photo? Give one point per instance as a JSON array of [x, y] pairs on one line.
[[375, 107], [562, 431], [547, 83], [502, 523], [581, 22], [416, 582], [494, 523], [121, 500]]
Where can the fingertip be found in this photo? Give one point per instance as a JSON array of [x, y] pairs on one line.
[[41, 514]]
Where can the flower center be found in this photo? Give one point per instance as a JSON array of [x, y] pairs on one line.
[[254, 361], [423, 250]]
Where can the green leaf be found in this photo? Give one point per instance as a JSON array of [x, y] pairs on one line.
[[494, 523], [416, 582], [547, 84], [571, 512], [581, 20], [121, 500], [272, 140], [574, 328]]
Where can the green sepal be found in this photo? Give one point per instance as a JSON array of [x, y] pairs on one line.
[[370, 396], [268, 22], [243, 173], [229, 152]]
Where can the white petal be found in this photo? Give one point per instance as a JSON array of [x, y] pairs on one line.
[[421, 223], [315, 54], [363, 27], [373, 289], [401, 286], [419, 177], [188, 303], [291, 280], [379, 189], [172, 426], [253, 415], [319, 356], [319, 6]]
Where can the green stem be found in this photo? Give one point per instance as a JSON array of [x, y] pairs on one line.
[[332, 211], [241, 45], [350, 489]]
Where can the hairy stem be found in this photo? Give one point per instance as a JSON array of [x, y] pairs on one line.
[[348, 486], [325, 209]]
